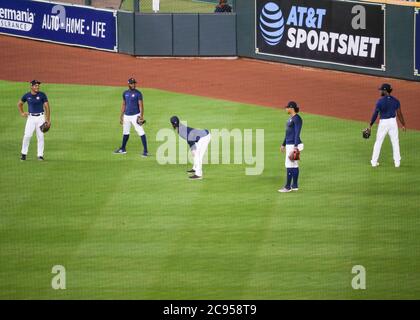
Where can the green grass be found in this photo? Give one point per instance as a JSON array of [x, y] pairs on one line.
[[126, 227], [172, 6]]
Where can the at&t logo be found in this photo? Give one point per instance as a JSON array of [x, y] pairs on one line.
[[271, 23]]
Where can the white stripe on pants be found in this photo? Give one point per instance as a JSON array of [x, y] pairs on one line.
[[33, 124], [200, 150], [390, 127]]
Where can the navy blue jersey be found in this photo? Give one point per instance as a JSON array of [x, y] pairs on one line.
[[190, 134], [132, 98], [386, 107], [293, 128], [35, 102]]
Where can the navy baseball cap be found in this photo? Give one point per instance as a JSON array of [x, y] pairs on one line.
[[175, 121], [35, 82], [292, 105], [132, 80], [386, 86]]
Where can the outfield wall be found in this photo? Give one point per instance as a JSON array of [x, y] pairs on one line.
[[177, 34], [387, 42], [391, 26]]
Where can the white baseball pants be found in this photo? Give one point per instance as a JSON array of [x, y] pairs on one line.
[[132, 120], [390, 127], [198, 154], [289, 163], [32, 124]]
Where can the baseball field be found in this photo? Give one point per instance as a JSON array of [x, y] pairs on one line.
[[126, 227]]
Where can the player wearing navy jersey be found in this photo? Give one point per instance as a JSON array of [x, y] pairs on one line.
[[388, 108], [38, 113], [292, 141], [131, 109], [198, 140]]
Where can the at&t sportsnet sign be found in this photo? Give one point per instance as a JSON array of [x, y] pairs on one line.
[[54, 22], [340, 32]]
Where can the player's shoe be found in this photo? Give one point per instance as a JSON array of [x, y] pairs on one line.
[[23, 157], [145, 154], [195, 177], [295, 189], [374, 164], [41, 158], [283, 190], [191, 171], [397, 165], [120, 151]]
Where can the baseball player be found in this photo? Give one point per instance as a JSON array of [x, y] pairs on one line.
[[290, 143], [38, 113], [387, 107], [131, 109], [198, 140]]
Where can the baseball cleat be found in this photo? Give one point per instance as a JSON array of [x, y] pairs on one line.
[[374, 164], [195, 177], [283, 190], [191, 171], [145, 154], [120, 151], [23, 157], [295, 189], [41, 158]]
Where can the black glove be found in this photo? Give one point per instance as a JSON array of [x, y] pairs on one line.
[[366, 133], [140, 121], [45, 127]]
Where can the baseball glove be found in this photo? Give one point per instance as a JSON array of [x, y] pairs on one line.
[[140, 121], [45, 127], [294, 155], [366, 133]]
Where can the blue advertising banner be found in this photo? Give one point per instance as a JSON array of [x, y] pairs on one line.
[[417, 42], [56, 22]]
